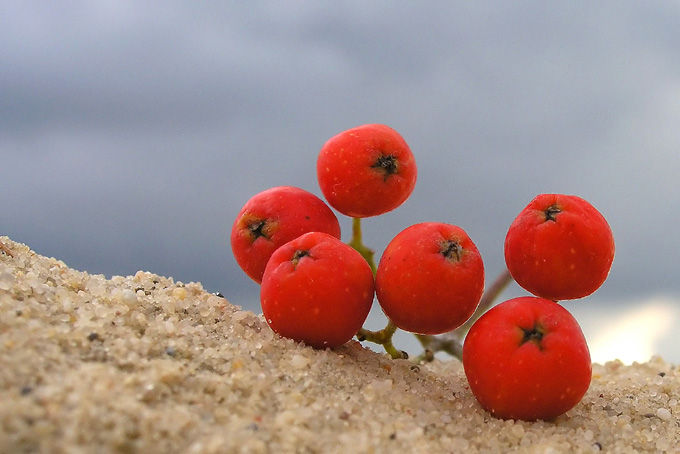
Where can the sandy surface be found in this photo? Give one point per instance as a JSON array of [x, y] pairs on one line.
[[145, 364]]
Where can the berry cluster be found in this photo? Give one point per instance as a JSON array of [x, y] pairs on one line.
[[525, 358]]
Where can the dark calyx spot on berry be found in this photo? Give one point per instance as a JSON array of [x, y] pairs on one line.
[[386, 164], [551, 213], [451, 250], [299, 254], [257, 229], [534, 335]]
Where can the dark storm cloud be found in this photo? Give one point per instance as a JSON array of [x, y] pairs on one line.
[[129, 68]]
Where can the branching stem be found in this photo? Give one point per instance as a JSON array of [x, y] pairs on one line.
[[434, 344], [384, 338], [451, 343]]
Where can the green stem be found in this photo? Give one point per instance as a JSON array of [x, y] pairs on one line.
[[384, 338], [358, 245], [385, 335]]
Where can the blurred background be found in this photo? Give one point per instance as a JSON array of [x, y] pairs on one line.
[[131, 133]]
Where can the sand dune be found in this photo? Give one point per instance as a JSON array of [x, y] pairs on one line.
[[145, 364]]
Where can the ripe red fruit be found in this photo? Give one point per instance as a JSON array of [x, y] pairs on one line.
[[527, 359], [559, 247], [366, 171], [272, 218], [317, 290], [430, 278]]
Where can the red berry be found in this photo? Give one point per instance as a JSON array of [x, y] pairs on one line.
[[527, 359], [430, 278], [559, 247], [271, 219], [317, 290], [366, 171]]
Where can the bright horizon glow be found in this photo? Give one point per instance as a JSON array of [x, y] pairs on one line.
[[636, 335]]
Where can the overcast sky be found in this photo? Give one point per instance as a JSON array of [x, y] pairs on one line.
[[133, 132]]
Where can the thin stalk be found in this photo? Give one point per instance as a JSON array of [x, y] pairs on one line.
[[434, 344], [357, 243], [385, 335], [384, 338]]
